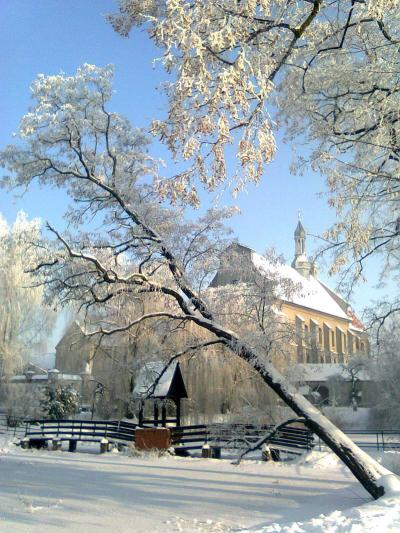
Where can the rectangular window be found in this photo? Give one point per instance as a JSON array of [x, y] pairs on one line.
[[299, 336], [306, 345], [350, 342], [339, 341], [313, 342], [327, 345]]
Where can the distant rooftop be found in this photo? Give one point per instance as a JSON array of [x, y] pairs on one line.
[[309, 292]]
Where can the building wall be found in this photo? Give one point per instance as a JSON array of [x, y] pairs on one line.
[[74, 351], [323, 338]]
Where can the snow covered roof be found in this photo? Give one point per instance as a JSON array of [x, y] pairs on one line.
[[170, 380], [323, 372], [356, 329], [356, 323], [311, 293], [33, 368], [17, 378], [70, 377], [22, 378]]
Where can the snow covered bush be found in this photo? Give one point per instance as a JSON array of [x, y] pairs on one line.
[[60, 402]]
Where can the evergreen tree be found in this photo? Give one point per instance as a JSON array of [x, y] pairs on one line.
[[60, 402]]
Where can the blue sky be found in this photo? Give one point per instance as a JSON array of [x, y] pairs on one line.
[[49, 36]]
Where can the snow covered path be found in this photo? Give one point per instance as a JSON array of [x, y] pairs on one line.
[[83, 492]]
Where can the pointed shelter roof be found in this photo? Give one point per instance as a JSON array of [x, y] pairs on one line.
[[170, 385]]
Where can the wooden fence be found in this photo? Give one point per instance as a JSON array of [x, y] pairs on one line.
[[294, 438], [188, 438], [240, 436], [80, 430]]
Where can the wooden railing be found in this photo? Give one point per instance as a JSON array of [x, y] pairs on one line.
[[191, 437], [239, 436], [232, 436], [82, 430]]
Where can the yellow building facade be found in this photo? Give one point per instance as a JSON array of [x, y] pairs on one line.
[[326, 330]]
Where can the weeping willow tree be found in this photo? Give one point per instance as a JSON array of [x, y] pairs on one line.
[[25, 320]]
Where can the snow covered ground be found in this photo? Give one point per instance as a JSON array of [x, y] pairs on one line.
[[43, 491]]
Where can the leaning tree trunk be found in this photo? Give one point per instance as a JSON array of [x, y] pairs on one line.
[[365, 469], [368, 471]]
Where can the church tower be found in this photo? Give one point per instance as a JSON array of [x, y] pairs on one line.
[[300, 261]]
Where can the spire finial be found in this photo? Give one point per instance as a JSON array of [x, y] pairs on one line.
[[299, 215]]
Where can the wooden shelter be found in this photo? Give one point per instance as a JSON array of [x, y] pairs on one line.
[[159, 386]]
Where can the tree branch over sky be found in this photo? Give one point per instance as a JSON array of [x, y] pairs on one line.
[[70, 140], [326, 70]]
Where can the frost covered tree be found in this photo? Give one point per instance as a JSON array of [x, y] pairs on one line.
[[326, 70], [352, 372], [71, 140], [25, 320]]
